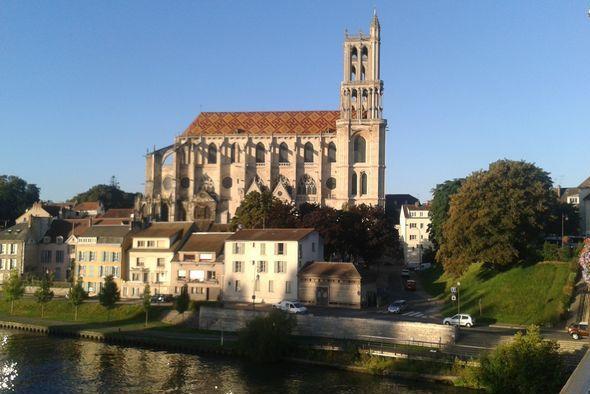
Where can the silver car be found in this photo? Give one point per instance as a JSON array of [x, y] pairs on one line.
[[459, 320]]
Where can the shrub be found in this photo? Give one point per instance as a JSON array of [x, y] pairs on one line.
[[267, 339], [550, 251]]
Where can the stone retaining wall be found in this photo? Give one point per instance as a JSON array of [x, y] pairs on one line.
[[336, 327], [57, 291]]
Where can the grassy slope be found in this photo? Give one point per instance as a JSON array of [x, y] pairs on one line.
[[521, 295]]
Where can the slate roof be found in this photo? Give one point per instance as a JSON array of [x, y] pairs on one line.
[[58, 228], [271, 234], [164, 230], [18, 232], [206, 242], [331, 270], [585, 184], [407, 208], [106, 234], [277, 122]]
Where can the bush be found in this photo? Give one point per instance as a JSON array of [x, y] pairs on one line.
[[550, 251], [267, 339]]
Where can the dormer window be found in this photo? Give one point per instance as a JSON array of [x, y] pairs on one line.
[[59, 239], [46, 240]]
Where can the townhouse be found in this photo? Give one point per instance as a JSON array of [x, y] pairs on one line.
[[54, 252], [261, 265], [413, 232]]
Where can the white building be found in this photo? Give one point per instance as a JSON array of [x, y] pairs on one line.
[[579, 197], [261, 265], [413, 232]]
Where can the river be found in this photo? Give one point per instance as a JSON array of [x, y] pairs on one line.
[[44, 364]]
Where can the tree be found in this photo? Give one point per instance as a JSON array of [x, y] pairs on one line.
[[499, 216], [146, 302], [439, 207], [43, 294], [181, 302], [16, 195], [77, 295], [326, 221], [267, 339], [570, 225], [110, 195], [109, 295], [263, 210], [380, 236], [528, 364], [13, 289]]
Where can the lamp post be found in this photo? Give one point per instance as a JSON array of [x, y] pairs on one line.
[[256, 277], [458, 298]]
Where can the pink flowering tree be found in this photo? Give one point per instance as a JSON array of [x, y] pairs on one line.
[[585, 261]]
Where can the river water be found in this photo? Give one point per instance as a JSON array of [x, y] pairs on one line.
[[44, 364]]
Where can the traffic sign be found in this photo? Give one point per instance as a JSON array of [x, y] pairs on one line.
[[453, 298], [453, 290]]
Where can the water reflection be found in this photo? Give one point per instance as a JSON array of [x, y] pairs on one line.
[[57, 365]]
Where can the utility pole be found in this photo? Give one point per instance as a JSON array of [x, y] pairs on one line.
[[458, 298]]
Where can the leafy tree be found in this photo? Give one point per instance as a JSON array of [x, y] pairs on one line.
[[498, 216], [326, 221], [259, 210], [570, 223], [109, 294], [110, 195], [13, 289], [43, 294], [439, 207], [16, 195], [182, 302], [146, 302], [267, 339], [528, 364], [77, 295], [380, 236]]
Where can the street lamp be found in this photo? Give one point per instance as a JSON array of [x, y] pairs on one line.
[[459, 298], [256, 278]]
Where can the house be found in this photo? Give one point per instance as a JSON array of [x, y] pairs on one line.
[[89, 208], [261, 265], [394, 202], [200, 264], [102, 251], [579, 197], [41, 210], [54, 252], [151, 255], [413, 232], [337, 285]]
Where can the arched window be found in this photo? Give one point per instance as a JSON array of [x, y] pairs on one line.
[[202, 212], [353, 185], [306, 186], [353, 55], [359, 148], [260, 152], [212, 154], [308, 152], [167, 161], [180, 156], [232, 153], [164, 212], [352, 73], [283, 153], [331, 152], [363, 184], [362, 73], [364, 54], [180, 213]]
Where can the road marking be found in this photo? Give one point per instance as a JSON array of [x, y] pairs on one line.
[[415, 314]]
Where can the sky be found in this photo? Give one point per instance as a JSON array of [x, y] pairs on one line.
[[87, 87]]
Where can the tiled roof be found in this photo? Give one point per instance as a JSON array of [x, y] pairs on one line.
[[407, 208], [281, 122], [206, 242], [87, 206], [271, 234], [164, 229], [53, 210], [118, 213], [106, 231]]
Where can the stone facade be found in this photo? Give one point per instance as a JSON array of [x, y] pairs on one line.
[[331, 158]]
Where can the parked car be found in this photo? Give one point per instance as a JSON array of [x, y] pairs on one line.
[[578, 330], [290, 306], [410, 285], [424, 266], [397, 306], [405, 273], [160, 298], [459, 320]]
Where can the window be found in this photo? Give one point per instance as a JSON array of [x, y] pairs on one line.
[[12, 264], [2, 248], [189, 257], [212, 154], [135, 277], [412, 237], [306, 186], [238, 266], [354, 54], [237, 286], [364, 54], [363, 184], [412, 225], [271, 286], [359, 148], [238, 248], [232, 153], [59, 256], [352, 73], [331, 183], [353, 184], [257, 285], [59, 240], [260, 151], [160, 261], [13, 249], [288, 287], [116, 257], [211, 275], [140, 244], [280, 267], [283, 153], [308, 152], [139, 261], [197, 275], [91, 256], [262, 248], [331, 152], [205, 257], [151, 244], [280, 248], [46, 240], [261, 266], [421, 225], [46, 256], [181, 274]]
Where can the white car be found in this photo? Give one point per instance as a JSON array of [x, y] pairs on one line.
[[397, 306], [290, 306], [459, 320]]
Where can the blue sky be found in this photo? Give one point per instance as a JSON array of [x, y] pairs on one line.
[[87, 87]]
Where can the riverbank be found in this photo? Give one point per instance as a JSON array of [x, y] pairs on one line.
[[160, 336]]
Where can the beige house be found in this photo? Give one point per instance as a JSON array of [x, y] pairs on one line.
[[330, 158], [101, 251], [199, 264], [261, 265], [89, 208], [337, 285], [150, 258], [413, 232]]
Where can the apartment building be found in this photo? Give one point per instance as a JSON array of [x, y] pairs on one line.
[[261, 265], [413, 232], [54, 252], [199, 264], [151, 255], [101, 251]]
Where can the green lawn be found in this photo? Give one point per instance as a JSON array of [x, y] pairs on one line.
[[535, 294]]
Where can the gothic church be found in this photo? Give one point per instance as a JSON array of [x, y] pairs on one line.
[[330, 158]]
